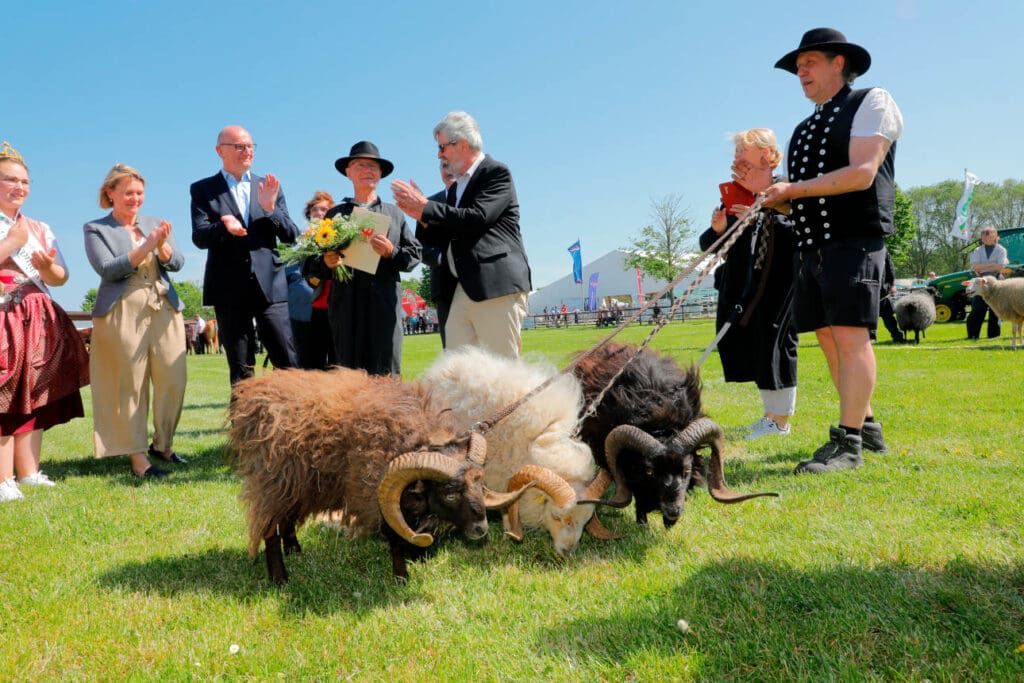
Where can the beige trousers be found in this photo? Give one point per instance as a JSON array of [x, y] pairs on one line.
[[494, 324], [140, 340]]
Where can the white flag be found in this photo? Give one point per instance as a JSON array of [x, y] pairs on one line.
[[963, 207]]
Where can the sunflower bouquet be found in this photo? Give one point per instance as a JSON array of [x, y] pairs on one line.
[[328, 234]]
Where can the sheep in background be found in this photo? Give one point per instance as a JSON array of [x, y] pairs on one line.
[[534, 443], [381, 452], [915, 312], [1005, 297]]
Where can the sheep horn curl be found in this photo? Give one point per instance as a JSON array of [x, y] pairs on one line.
[[595, 490], [401, 472], [556, 488], [621, 437], [477, 453], [706, 432]]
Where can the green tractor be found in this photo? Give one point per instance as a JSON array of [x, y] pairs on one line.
[[950, 294]]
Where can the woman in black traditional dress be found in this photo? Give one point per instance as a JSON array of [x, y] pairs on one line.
[[755, 289]]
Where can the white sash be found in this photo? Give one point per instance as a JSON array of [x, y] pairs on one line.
[[23, 256]]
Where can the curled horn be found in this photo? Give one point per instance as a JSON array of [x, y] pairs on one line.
[[496, 500], [706, 432], [600, 531], [595, 490], [556, 488], [477, 449], [621, 437], [401, 472]]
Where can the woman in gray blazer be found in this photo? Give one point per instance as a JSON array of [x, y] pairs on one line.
[[138, 331]]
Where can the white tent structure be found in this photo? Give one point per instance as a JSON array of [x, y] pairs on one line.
[[615, 280]]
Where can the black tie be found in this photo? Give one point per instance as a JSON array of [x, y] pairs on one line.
[[452, 193]]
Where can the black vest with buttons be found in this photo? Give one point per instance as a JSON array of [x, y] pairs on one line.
[[820, 144]]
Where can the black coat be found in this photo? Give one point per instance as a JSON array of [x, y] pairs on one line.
[[483, 232], [757, 295], [365, 313]]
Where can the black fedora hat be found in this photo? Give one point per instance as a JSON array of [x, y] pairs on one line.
[[365, 149], [828, 40]]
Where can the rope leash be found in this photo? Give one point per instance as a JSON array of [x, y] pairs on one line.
[[710, 258]]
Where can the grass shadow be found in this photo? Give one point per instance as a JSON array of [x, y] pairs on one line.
[[754, 619], [331, 574], [206, 464]]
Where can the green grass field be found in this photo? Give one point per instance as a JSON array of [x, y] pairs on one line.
[[907, 569]]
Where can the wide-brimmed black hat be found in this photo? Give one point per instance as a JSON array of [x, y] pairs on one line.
[[828, 40], [365, 149]]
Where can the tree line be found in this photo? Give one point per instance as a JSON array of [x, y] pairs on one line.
[[922, 240]]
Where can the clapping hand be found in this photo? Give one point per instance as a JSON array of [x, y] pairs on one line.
[[43, 260], [18, 234], [409, 198], [267, 194], [234, 226], [159, 234]]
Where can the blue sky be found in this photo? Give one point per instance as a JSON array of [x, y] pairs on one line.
[[596, 106]]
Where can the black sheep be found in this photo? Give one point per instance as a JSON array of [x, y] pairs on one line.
[[648, 431]]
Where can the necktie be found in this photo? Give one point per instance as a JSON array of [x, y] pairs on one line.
[[453, 190]]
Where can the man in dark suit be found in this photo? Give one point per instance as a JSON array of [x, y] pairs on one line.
[[239, 217], [441, 279], [477, 227]]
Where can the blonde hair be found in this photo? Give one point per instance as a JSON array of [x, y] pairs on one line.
[[118, 173], [761, 138]]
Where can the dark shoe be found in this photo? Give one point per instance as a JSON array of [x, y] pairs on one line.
[[174, 457], [842, 452], [871, 437], [152, 472]]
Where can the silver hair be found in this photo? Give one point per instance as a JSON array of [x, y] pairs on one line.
[[458, 125]]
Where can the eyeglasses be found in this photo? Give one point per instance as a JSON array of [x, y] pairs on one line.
[[442, 145], [9, 180], [240, 146]]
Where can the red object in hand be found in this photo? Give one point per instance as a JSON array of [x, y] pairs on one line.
[[368, 233], [734, 193]]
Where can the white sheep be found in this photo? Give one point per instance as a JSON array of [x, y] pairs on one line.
[[539, 434], [1005, 298]]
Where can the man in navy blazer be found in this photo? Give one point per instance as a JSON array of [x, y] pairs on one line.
[[239, 218], [477, 228]]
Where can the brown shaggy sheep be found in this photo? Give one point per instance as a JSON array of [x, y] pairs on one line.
[[380, 452]]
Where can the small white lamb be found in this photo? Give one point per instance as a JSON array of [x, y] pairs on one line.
[[1005, 297]]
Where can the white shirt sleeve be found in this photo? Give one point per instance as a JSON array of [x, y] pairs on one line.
[[877, 115], [51, 243]]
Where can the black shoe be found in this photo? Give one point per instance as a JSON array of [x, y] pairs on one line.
[[152, 472], [871, 437], [842, 452], [174, 457]]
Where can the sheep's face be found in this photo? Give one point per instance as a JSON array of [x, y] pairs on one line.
[[659, 481], [460, 502], [565, 524]]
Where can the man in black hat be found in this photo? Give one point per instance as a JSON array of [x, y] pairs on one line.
[[841, 189], [477, 227], [365, 312]]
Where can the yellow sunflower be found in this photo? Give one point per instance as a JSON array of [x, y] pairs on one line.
[[325, 236]]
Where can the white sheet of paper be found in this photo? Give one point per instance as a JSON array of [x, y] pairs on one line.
[[360, 254]]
